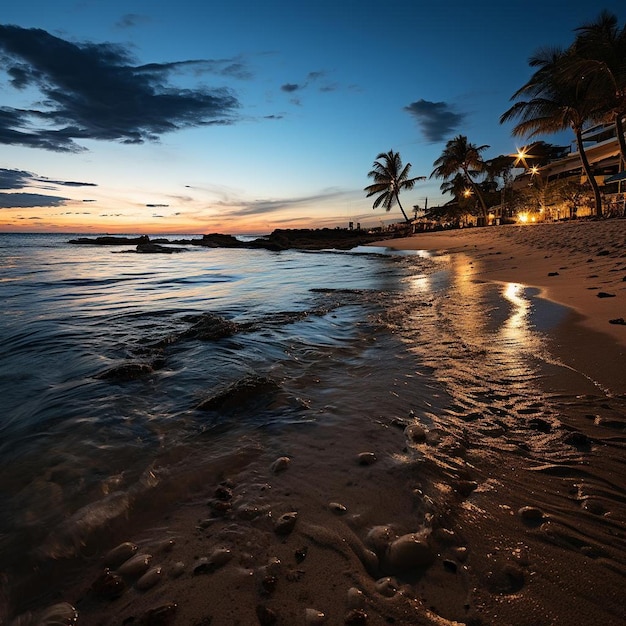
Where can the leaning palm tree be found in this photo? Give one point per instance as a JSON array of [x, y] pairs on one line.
[[558, 100], [460, 156], [390, 177], [601, 46]]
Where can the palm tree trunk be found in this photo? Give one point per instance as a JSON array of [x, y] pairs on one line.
[[619, 129], [479, 195], [408, 221], [587, 168]]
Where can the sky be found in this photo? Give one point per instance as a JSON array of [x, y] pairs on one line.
[[246, 116]]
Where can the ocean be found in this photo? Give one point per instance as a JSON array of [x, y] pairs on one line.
[[131, 381]]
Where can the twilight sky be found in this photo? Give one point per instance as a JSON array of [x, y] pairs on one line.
[[241, 117]]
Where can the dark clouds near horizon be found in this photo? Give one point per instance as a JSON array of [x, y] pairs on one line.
[[436, 119], [94, 91], [19, 179]]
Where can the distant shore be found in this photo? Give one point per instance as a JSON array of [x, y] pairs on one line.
[[579, 264]]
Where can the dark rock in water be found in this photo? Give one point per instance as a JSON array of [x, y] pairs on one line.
[[531, 515], [109, 240], [155, 248], [366, 458], [619, 321], [126, 371], [210, 327], [577, 439], [249, 390]]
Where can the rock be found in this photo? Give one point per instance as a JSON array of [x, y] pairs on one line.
[[280, 464], [553, 273], [301, 553], [366, 458], [126, 371], [150, 578], [386, 586], [119, 554], [415, 433], [604, 294], [217, 559], [619, 321], [356, 598], [531, 514], [409, 552], [337, 508], [223, 493], [285, 523], [135, 566], [577, 439], [543, 426], [313, 617], [378, 539]]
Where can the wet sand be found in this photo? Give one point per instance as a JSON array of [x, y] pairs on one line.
[[513, 514], [579, 264]]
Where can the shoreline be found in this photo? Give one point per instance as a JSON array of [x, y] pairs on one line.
[[579, 265]]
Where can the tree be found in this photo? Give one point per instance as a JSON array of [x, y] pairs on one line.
[[390, 177], [558, 99], [460, 156], [601, 47]]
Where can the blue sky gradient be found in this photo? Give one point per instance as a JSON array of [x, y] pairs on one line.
[[245, 116]]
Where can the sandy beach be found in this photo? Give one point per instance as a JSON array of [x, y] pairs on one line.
[[496, 500], [579, 264]]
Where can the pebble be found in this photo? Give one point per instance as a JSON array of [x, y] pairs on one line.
[[356, 598], [223, 493], [285, 523], [415, 433], [313, 616], [378, 538], [337, 508], [120, 553], [135, 566], [280, 464], [531, 514], [409, 551], [366, 458], [150, 578], [386, 586], [300, 554], [61, 614]]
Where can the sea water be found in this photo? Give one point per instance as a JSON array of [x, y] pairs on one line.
[[102, 373]]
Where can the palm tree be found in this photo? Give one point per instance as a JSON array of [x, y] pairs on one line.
[[558, 100], [601, 46], [460, 156], [390, 177]]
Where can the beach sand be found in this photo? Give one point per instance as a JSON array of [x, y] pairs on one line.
[[579, 264], [511, 516]]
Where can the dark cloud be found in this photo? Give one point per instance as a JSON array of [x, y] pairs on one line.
[[290, 87], [94, 91], [132, 19], [29, 200], [155, 206], [14, 179], [18, 179], [436, 119]]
